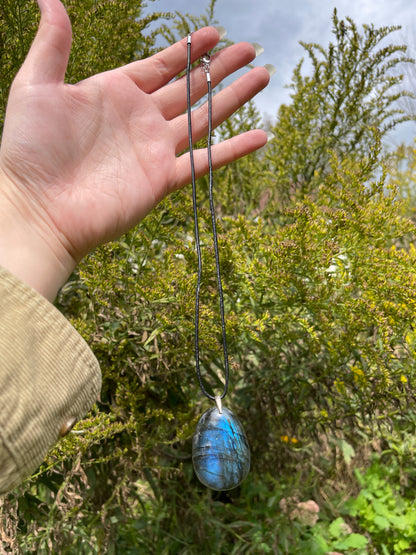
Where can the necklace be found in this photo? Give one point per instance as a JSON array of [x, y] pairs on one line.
[[220, 451]]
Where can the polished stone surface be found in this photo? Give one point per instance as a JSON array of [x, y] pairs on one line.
[[220, 451]]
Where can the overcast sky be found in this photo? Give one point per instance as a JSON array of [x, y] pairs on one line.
[[279, 25]]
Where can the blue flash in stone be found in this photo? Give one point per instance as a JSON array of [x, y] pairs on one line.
[[220, 451]]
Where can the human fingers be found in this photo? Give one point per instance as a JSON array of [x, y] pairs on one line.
[[172, 98], [156, 71], [47, 59], [224, 104], [222, 154]]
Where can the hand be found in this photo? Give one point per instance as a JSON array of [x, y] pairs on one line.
[[81, 164]]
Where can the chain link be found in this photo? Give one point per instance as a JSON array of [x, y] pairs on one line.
[[205, 65]]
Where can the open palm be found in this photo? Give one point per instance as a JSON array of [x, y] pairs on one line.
[[90, 160]]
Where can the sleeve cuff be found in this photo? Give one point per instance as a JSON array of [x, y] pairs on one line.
[[49, 378]]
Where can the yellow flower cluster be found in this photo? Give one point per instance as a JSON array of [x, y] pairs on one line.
[[287, 439]]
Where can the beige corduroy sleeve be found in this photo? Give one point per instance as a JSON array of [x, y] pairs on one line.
[[48, 377]]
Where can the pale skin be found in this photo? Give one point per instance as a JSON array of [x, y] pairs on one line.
[[81, 164]]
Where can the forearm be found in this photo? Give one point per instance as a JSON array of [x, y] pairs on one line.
[[29, 247]]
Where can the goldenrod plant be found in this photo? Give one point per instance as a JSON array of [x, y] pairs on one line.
[[320, 293]]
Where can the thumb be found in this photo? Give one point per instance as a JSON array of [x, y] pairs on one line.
[[47, 59]]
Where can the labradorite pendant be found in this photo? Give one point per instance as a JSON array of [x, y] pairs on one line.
[[220, 451]]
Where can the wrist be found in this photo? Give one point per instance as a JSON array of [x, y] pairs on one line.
[[29, 247]]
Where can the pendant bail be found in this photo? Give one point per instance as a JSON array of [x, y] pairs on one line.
[[218, 402], [205, 61]]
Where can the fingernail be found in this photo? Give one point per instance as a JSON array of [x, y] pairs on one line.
[[221, 31], [271, 69], [270, 136], [258, 48]]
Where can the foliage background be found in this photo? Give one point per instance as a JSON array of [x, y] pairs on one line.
[[316, 238]]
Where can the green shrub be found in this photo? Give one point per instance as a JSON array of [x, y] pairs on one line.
[[386, 516], [320, 297], [352, 90]]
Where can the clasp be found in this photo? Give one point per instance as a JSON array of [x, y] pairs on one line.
[[205, 62]]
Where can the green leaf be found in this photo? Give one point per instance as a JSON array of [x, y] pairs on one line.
[[347, 451], [336, 527], [353, 541], [381, 522], [380, 508]]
